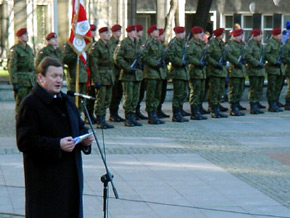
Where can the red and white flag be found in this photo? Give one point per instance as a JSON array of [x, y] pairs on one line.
[[81, 36]]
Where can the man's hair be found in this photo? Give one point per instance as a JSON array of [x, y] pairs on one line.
[[45, 63]]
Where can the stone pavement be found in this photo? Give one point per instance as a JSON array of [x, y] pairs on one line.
[[220, 168]]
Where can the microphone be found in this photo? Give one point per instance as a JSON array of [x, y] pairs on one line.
[[71, 93]]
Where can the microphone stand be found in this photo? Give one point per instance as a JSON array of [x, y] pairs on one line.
[[108, 177]]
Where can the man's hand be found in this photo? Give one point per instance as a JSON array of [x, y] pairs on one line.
[[67, 144], [88, 141]]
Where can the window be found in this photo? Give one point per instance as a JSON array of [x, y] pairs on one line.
[[267, 24], [145, 20]]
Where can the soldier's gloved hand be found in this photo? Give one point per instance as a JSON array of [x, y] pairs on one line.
[[202, 63], [261, 65], [278, 63], [239, 65], [98, 85], [243, 61], [15, 87], [220, 65], [184, 64], [132, 71]]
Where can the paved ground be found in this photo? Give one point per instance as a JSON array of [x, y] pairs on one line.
[[220, 168]]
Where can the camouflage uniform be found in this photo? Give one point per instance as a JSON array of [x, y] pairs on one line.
[[153, 74], [180, 78], [197, 73], [286, 60], [256, 73], [101, 65], [131, 80], [237, 74], [70, 59], [275, 72], [217, 72], [20, 67], [48, 51], [117, 91]]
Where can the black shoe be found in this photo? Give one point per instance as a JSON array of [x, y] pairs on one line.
[[177, 117], [184, 113], [139, 115], [161, 114], [241, 108], [261, 106], [279, 104], [215, 113], [152, 119], [93, 119], [287, 106], [223, 109], [195, 114], [116, 118], [202, 110], [128, 121], [132, 117], [235, 110]]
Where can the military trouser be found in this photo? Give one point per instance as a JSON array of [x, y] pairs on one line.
[[256, 88], [287, 96], [117, 93], [163, 91], [179, 91], [153, 94], [103, 96], [274, 86], [23, 91], [197, 89], [143, 87], [90, 103], [215, 90], [237, 85], [131, 91], [82, 90]]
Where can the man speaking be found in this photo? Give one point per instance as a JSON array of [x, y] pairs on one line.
[[47, 123]]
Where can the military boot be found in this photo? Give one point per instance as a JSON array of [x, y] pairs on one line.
[[273, 107], [184, 113], [195, 114], [287, 106], [261, 106], [160, 113], [152, 119], [202, 110], [114, 116], [215, 113], [139, 115], [222, 115], [253, 108], [241, 108], [278, 105], [258, 109], [177, 117], [235, 110], [105, 124], [132, 117], [159, 121], [128, 121], [100, 124], [93, 119], [222, 108]]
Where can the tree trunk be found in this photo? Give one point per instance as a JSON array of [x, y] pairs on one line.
[[202, 12], [169, 19]]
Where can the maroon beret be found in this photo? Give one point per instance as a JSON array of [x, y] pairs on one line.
[[256, 32], [276, 31], [51, 35], [131, 28], [161, 31], [21, 32], [93, 27], [139, 27], [152, 28], [197, 29], [179, 29], [103, 29], [237, 32], [116, 27], [218, 32]]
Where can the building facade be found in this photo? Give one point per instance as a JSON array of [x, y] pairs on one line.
[[44, 16]]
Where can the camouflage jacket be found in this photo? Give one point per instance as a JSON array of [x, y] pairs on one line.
[[70, 59], [127, 53], [150, 58], [20, 65], [214, 54], [48, 51], [233, 53], [252, 56], [286, 58], [101, 63], [272, 51], [193, 56], [115, 46], [174, 55]]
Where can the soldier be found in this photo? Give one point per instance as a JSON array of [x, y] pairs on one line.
[[237, 71], [154, 73], [91, 88], [217, 72], [20, 68], [117, 91], [160, 113], [51, 50], [179, 73], [286, 60], [139, 115], [101, 65], [275, 69], [255, 70], [197, 72], [131, 76]]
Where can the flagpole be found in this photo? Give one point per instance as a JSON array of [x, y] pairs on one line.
[[77, 81]]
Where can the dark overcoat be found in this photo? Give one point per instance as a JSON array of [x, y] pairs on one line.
[[53, 178]]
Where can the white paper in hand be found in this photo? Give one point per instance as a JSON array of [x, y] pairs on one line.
[[81, 138]]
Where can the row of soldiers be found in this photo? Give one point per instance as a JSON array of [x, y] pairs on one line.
[[128, 68]]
